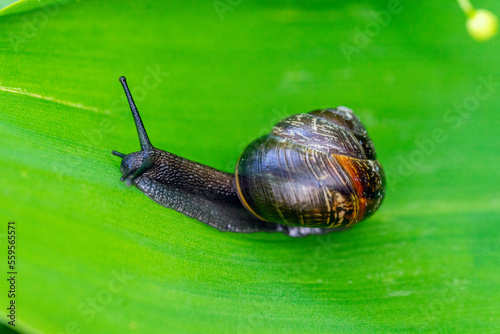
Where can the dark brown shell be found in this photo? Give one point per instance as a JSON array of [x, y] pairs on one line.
[[313, 170]]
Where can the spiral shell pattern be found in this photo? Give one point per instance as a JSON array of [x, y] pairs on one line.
[[313, 170]]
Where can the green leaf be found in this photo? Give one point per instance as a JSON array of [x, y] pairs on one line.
[[50, 7], [95, 256]]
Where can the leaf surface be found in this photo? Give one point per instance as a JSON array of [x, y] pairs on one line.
[[96, 256]]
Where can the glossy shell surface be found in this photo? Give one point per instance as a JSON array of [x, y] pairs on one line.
[[314, 170]]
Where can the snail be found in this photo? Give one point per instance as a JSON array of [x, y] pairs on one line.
[[314, 173]]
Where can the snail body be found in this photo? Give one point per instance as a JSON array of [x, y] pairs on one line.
[[314, 173]]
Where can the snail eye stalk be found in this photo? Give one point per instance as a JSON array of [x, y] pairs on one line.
[[141, 131]]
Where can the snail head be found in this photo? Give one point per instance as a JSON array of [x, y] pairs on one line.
[[137, 163]]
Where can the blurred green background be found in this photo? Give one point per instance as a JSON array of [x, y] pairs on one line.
[[209, 77]]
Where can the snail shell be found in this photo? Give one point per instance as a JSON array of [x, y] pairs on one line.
[[313, 170]]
